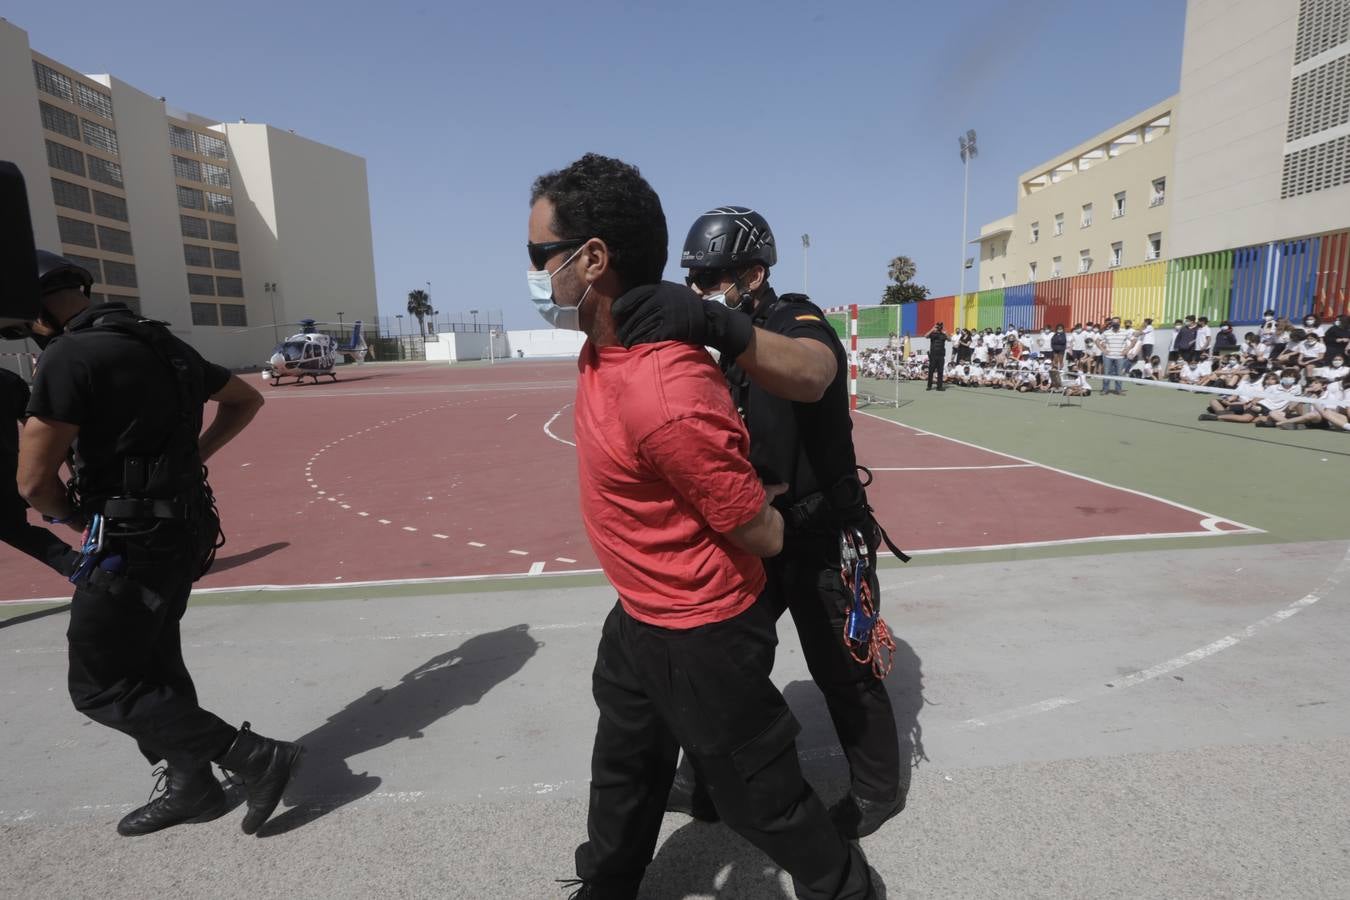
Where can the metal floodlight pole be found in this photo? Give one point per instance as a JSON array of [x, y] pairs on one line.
[[474, 313], [806, 245], [270, 289], [968, 152], [340, 332]]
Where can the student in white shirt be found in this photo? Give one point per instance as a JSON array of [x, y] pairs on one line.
[[1310, 324], [1204, 337], [1242, 402], [1079, 387], [1280, 402], [1335, 371], [1311, 351], [1337, 417], [1146, 340], [1190, 373]]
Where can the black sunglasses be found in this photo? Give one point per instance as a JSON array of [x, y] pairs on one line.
[[705, 279], [541, 253]]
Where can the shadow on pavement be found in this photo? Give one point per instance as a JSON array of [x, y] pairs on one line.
[[40, 614], [433, 690], [224, 563]]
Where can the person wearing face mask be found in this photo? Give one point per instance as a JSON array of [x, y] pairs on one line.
[[801, 434], [1225, 341], [1311, 352], [1334, 370], [1279, 401], [121, 400], [937, 356], [1313, 326], [679, 518], [1115, 345], [1337, 336]]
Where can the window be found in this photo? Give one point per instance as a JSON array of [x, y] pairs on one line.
[[105, 171], [114, 239], [1059, 224], [204, 314], [221, 204], [97, 102], [67, 159], [190, 198], [1117, 252], [181, 139], [224, 232], [73, 231], [1084, 261], [216, 175], [1155, 245], [233, 314], [211, 146], [95, 135], [52, 82], [1118, 209], [1159, 192], [1055, 268], [229, 287], [119, 273], [1004, 278], [197, 255], [991, 280], [187, 169], [1086, 220], [71, 196], [201, 284], [192, 227], [110, 207], [225, 259], [54, 118], [87, 262], [1035, 232], [1031, 272]]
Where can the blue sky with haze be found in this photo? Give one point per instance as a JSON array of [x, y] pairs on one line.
[[837, 119]]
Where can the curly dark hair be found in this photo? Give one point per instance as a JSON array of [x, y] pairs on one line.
[[597, 196]]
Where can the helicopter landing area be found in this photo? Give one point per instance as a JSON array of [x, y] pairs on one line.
[[421, 472]]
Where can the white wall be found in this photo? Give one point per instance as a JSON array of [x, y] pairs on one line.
[[546, 342]]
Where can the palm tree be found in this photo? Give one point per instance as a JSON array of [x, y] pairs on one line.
[[902, 269], [419, 305]]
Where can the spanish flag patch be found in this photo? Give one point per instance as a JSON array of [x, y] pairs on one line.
[[808, 318]]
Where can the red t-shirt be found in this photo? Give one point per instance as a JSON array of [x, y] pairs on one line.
[[664, 474]]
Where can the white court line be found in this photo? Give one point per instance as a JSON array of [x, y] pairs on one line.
[[476, 544], [553, 418], [1177, 662], [536, 568], [512, 416], [947, 468], [1244, 528]]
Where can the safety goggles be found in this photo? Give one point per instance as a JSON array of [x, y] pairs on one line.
[[542, 252], [705, 279]]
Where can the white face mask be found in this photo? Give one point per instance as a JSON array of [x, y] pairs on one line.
[[1287, 382], [541, 293]]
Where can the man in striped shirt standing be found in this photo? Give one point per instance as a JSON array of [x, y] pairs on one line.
[[1115, 344]]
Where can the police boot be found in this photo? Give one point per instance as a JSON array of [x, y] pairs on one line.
[[190, 795], [856, 817], [266, 767]]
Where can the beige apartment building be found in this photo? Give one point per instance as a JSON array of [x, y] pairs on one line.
[[1253, 149], [219, 229], [1100, 205]]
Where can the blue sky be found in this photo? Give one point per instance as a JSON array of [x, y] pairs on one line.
[[836, 119]]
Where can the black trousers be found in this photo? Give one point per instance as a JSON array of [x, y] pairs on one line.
[[936, 367], [804, 579], [126, 658], [706, 689]]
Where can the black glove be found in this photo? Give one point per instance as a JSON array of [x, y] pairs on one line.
[[677, 315]]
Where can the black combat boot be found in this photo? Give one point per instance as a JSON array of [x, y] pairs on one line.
[[856, 817], [190, 795], [266, 767]]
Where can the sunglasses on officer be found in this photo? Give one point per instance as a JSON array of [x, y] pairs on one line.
[[706, 279], [542, 252]]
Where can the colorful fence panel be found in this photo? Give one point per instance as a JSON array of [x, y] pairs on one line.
[[879, 321], [1019, 306], [1139, 293], [1333, 276], [990, 314], [1294, 271], [1248, 297], [1199, 286], [1050, 316], [967, 312], [909, 318], [1090, 296]]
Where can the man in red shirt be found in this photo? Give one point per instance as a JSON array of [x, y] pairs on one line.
[[678, 519]]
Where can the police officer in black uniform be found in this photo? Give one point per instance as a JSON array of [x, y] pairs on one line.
[[937, 356], [121, 400], [15, 529], [788, 374]]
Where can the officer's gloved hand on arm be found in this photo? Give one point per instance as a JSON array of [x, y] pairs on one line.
[[668, 314]]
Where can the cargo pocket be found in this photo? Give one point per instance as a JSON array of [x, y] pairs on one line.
[[758, 753]]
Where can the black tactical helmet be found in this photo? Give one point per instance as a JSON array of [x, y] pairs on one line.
[[729, 237], [56, 272]]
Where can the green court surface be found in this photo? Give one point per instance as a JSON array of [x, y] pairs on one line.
[[1294, 485]]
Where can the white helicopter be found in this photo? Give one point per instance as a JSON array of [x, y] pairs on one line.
[[310, 354]]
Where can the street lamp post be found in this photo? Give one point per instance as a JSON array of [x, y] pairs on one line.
[[270, 289], [968, 152], [474, 313], [340, 332], [806, 245]]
